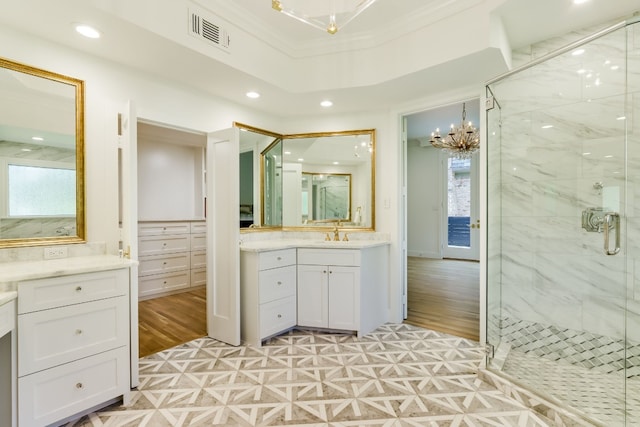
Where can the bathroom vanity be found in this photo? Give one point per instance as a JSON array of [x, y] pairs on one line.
[[73, 335], [338, 286]]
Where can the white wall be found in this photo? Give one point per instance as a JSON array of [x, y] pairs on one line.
[[424, 201]]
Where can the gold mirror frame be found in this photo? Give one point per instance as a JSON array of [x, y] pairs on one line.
[[284, 137], [78, 86]]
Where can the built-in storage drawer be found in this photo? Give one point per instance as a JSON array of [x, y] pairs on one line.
[[163, 228], [198, 260], [157, 245], [277, 283], [311, 256], [156, 264], [60, 291], [199, 277], [198, 242], [53, 337], [54, 394], [277, 316], [275, 259], [148, 285], [198, 227]]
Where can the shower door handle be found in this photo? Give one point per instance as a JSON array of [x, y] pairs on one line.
[[611, 220]]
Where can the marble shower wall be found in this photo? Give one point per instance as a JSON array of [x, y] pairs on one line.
[[563, 135]]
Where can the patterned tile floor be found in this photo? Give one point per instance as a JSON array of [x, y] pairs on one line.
[[399, 375]]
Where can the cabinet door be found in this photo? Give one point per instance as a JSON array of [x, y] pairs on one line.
[[313, 296], [344, 304]]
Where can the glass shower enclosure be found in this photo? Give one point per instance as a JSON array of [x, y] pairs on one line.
[[563, 232]]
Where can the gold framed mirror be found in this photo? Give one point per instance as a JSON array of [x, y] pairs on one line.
[[41, 157], [279, 162]]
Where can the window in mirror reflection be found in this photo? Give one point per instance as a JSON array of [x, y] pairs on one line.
[[326, 197], [273, 184], [41, 191]]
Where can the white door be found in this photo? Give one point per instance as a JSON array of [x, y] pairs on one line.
[[344, 308], [461, 219], [223, 235], [128, 215], [313, 296]]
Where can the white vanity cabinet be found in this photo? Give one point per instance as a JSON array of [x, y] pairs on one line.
[[343, 289], [73, 344], [268, 293]]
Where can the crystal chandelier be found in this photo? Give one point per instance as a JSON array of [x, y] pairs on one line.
[[461, 142], [327, 15]]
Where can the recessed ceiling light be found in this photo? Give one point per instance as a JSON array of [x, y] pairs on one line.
[[615, 67], [582, 71], [301, 160], [88, 31], [25, 149], [621, 118], [586, 154], [37, 138], [579, 1], [547, 126], [326, 103], [577, 52], [253, 95], [287, 152], [608, 156], [336, 163]]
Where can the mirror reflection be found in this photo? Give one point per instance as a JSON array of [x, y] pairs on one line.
[[326, 197], [307, 180], [41, 157]]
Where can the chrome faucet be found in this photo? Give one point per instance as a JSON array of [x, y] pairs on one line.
[[336, 234]]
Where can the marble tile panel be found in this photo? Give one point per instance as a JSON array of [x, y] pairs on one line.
[[604, 316]]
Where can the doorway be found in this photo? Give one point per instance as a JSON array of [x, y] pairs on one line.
[[442, 282]]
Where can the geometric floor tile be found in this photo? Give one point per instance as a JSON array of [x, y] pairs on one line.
[[399, 375]]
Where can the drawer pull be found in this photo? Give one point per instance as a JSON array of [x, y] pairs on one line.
[[164, 244], [78, 288], [279, 283], [279, 258], [79, 386], [164, 228], [165, 282], [279, 316], [164, 263], [78, 331]]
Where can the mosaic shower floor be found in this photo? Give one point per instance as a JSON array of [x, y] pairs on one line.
[[399, 375], [599, 396]]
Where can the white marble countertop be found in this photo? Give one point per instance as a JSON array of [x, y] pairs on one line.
[[270, 245], [7, 296], [13, 272]]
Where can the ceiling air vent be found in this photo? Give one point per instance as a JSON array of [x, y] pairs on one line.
[[205, 29]]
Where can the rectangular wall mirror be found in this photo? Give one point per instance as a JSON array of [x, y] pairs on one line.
[[41, 157], [308, 180]]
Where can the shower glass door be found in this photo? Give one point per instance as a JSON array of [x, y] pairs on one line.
[[560, 203]]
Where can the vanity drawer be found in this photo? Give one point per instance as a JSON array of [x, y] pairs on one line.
[[277, 316], [312, 256], [162, 228], [198, 242], [198, 259], [149, 285], [157, 245], [274, 259], [40, 294], [156, 264], [277, 283], [49, 396], [52, 337]]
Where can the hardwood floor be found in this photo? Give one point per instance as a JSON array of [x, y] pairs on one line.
[[444, 295], [171, 320]]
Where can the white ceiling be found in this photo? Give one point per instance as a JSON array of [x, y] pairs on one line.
[[160, 53]]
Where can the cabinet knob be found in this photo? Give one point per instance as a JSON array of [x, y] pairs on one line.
[[79, 386], [324, 271], [164, 244], [164, 283], [279, 283], [78, 331], [78, 288], [279, 258], [279, 316], [164, 263]]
